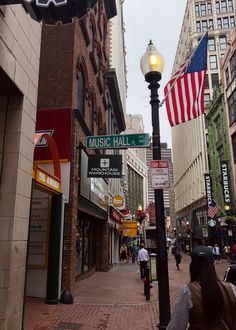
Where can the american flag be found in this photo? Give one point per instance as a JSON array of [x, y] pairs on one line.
[[213, 208], [184, 93]]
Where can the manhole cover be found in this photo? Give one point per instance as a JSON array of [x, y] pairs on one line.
[[67, 325]]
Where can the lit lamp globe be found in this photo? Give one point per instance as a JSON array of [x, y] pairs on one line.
[[152, 63], [139, 208], [227, 207]]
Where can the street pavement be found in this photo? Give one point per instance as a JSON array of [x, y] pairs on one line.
[[111, 300]]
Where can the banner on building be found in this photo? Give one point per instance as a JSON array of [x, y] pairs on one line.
[[225, 181], [208, 188], [105, 166]]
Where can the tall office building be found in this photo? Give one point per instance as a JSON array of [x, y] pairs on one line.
[[134, 161], [189, 139], [168, 194]]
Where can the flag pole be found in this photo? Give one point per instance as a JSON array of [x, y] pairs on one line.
[[184, 68]]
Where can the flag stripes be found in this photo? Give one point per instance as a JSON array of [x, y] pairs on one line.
[[213, 208], [184, 93]]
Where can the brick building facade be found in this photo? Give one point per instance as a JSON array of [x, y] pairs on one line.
[[73, 102]]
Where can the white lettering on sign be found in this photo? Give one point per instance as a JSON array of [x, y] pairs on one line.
[[42, 176], [208, 189], [225, 180], [48, 181], [100, 142], [52, 183]]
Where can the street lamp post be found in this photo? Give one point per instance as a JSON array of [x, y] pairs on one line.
[[152, 64]]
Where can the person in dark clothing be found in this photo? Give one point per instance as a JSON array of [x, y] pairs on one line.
[[176, 250], [206, 302]]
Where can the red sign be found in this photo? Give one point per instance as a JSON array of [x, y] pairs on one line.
[[58, 123], [115, 215]]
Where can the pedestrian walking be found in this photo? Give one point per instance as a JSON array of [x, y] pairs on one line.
[[227, 251], [123, 253], [206, 302], [216, 252], [143, 258], [176, 250]]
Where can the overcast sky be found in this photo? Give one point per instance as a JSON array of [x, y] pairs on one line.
[[159, 20]]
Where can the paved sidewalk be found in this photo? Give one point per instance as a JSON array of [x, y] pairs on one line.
[[109, 301]]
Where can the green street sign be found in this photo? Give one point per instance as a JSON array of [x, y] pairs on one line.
[[122, 141]]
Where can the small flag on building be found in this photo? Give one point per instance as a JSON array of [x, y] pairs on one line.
[[184, 93], [213, 208]]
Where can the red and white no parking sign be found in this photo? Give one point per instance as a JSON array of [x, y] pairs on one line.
[[159, 170]]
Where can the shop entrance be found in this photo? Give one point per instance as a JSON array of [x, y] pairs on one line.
[[44, 250]]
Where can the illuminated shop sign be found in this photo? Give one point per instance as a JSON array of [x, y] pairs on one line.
[[225, 181], [47, 180]]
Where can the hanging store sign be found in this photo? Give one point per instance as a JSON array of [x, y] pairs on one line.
[[208, 188], [130, 229], [104, 166], [225, 181], [159, 170], [115, 215], [53, 11], [47, 180], [118, 201]]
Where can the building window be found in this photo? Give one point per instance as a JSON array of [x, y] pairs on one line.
[[232, 21], [211, 24], [223, 7], [234, 146], [232, 107], [213, 62], [211, 44], [227, 76], [217, 7], [203, 9], [232, 63], [206, 82], [214, 80], [197, 12], [225, 22], [219, 130], [206, 99], [80, 91], [219, 23], [209, 8], [91, 116], [230, 5], [198, 26], [223, 43], [204, 26]]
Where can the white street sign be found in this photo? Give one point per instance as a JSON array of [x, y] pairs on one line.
[[159, 170]]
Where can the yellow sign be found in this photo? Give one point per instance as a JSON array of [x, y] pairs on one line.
[[130, 229], [118, 201], [47, 180]]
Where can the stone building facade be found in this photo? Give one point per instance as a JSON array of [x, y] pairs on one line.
[[19, 69]]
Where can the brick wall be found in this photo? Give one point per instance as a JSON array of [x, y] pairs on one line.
[[63, 49]]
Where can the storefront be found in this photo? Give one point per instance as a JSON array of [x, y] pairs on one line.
[[44, 252], [115, 230], [92, 222]]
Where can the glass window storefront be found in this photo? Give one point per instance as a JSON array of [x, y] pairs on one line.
[[85, 246]]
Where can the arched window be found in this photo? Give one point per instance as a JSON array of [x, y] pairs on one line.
[[80, 91]]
